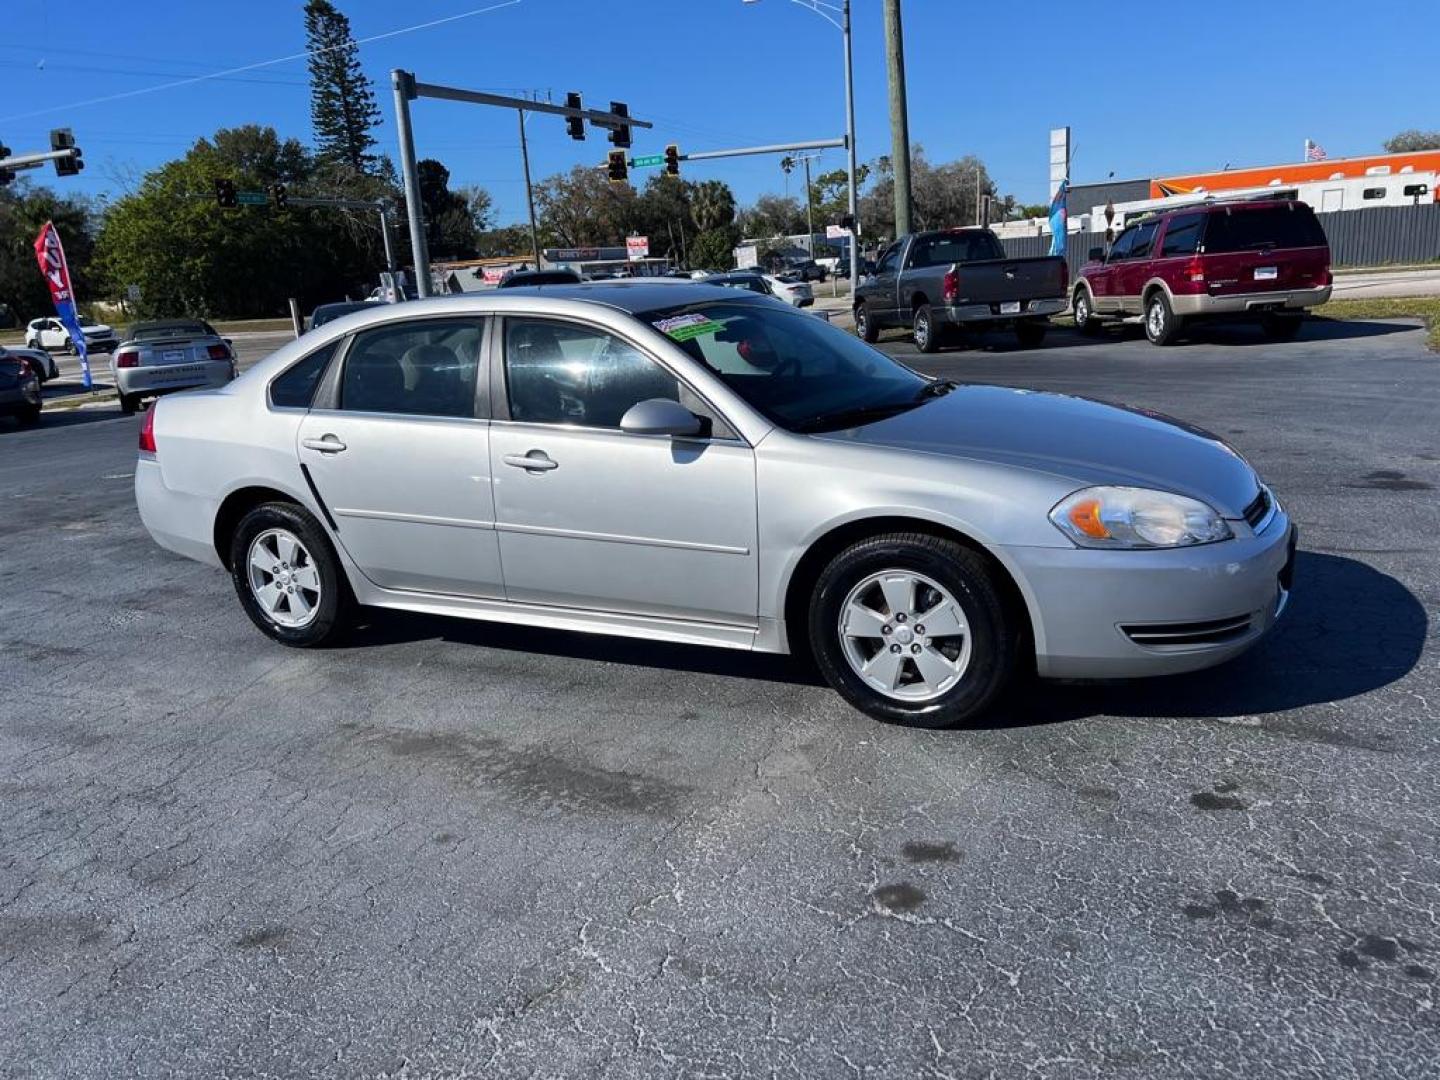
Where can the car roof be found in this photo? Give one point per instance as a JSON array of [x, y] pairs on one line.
[[352, 305]]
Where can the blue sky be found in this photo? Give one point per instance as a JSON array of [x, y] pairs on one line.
[[1245, 83]]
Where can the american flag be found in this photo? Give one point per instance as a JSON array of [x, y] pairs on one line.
[[1314, 151]]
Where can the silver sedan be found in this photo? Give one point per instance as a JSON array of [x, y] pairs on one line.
[[695, 464], [167, 355]]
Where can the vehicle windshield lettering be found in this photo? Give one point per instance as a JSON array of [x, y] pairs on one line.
[[799, 371]]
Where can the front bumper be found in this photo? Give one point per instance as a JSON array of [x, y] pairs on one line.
[[101, 345], [162, 379], [1122, 614], [972, 313], [1203, 304]]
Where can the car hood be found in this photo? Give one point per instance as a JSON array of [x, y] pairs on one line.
[[1089, 442], [97, 329]]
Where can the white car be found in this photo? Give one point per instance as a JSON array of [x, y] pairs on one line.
[[50, 333], [794, 293]]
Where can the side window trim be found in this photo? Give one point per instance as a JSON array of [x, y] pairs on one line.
[[500, 386]]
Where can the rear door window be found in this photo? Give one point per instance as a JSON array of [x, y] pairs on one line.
[[1263, 228], [1182, 235], [1144, 236]]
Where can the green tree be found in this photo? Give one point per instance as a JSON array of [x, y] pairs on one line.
[[190, 257], [454, 219], [1407, 142], [342, 101], [663, 213], [773, 215], [505, 240], [942, 196], [714, 249], [832, 193], [582, 208], [24, 209]]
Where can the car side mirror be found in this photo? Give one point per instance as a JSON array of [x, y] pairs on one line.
[[1096, 254], [228, 341], [659, 416]]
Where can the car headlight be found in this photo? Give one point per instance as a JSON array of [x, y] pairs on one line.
[[1127, 517]]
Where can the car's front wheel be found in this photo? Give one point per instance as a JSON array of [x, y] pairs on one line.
[[287, 576], [1084, 310], [865, 328], [912, 629]]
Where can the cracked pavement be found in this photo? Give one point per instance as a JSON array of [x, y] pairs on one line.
[[452, 849]]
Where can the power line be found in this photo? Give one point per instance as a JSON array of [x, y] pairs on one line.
[[258, 64]]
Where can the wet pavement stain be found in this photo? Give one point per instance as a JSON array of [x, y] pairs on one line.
[[1391, 480], [900, 897], [1209, 800], [923, 851], [265, 937]]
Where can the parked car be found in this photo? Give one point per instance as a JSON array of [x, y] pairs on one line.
[[686, 463], [935, 281], [1266, 260], [795, 293], [19, 389], [41, 362], [749, 280], [802, 270], [50, 333], [167, 355], [330, 312], [522, 278], [842, 268]]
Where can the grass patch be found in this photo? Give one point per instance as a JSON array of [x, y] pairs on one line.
[[1426, 308]]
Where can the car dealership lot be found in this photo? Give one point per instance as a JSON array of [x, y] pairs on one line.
[[455, 847]]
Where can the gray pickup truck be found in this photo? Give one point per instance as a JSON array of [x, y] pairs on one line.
[[932, 281]]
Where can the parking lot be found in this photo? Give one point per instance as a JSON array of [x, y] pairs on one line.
[[455, 849]]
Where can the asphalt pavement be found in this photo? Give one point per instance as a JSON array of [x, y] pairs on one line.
[[455, 849]]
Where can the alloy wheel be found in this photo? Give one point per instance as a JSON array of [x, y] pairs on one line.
[[283, 578], [905, 635], [1155, 319]]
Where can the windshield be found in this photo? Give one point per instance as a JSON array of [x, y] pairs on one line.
[[799, 371]]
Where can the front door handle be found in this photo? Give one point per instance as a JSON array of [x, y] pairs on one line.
[[534, 461], [329, 444]]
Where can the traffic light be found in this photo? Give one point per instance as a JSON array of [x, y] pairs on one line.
[[279, 197], [620, 136], [225, 194], [617, 167], [672, 160], [63, 139], [574, 125]]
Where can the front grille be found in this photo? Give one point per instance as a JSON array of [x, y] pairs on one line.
[[1213, 632], [1258, 508]]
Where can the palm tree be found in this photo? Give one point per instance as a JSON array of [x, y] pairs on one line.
[[712, 206]]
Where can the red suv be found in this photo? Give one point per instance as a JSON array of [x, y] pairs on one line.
[[1267, 259]]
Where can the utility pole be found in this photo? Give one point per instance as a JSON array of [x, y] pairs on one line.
[[529, 192], [809, 212], [850, 152], [899, 116]]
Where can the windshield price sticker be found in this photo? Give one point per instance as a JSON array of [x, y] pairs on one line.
[[685, 327]]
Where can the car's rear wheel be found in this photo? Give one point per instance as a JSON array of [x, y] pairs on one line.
[[1030, 333], [1281, 327], [1084, 310], [129, 403], [287, 576], [865, 328], [927, 334], [912, 629], [1162, 325]]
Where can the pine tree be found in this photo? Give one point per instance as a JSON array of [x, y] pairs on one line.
[[342, 102]]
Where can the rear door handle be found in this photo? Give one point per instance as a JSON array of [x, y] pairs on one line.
[[531, 461], [329, 444]]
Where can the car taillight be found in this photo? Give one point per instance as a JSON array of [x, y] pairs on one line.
[[127, 358], [218, 352], [24, 366], [1325, 278], [950, 286], [1195, 269], [147, 431]]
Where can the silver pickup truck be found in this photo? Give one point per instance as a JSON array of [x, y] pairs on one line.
[[932, 281]]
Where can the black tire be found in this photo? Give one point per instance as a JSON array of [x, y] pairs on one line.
[[927, 334], [336, 603], [1084, 312], [966, 574], [1162, 325], [1031, 333], [1281, 327], [129, 403], [865, 328], [29, 416]]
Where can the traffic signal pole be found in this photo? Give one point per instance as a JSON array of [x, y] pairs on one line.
[[529, 191], [408, 89]]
